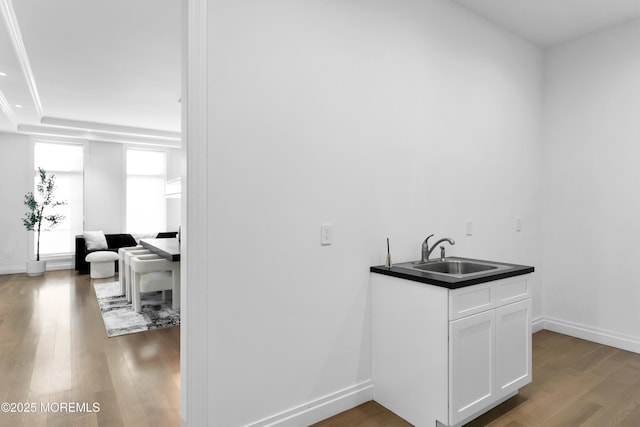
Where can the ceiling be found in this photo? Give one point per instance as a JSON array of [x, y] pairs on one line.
[[549, 22], [97, 69], [110, 69]]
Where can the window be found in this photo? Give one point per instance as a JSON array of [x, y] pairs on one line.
[[66, 162], [145, 191]]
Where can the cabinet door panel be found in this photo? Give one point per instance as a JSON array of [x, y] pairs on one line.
[[471, 364], [513, 347]]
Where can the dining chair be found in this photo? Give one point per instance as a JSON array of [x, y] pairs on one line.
[[153, 273], [121, 269], [127, 269]]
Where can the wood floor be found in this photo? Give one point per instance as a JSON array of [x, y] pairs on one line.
[[54, 350], [575, 383]]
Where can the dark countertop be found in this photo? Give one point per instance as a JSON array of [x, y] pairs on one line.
[[166, 248], [453, 282]]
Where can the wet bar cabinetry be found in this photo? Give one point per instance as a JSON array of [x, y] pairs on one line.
[[444, 355]]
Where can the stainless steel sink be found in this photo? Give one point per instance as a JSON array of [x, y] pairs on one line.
[[455, 267]]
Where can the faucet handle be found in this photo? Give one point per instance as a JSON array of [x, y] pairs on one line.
[[442, 255]]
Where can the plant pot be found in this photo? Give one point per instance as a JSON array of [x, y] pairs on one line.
[[36, 268]]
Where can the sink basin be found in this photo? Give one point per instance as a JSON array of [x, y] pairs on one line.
[[453, 267]]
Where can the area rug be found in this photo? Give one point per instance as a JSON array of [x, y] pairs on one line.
[[119, 317]]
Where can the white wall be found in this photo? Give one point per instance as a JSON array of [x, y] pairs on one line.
[[104, 181], [14, 161], [592, 202], [395, 119]]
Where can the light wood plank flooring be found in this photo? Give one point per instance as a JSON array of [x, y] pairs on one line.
[[54, 349], [575, 383]]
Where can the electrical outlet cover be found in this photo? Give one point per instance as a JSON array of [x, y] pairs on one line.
[[325, 234]]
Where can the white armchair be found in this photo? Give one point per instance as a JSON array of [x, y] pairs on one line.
[[153, 273], [122, 277], [127, 276]]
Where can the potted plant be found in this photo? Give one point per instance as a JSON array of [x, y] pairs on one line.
[[35, 216]]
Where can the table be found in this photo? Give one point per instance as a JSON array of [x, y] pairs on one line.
[[169, 249], [166, 248]]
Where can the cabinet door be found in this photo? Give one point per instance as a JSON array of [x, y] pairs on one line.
[[513, 347], [471, 365]]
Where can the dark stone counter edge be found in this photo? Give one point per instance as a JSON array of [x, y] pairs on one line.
[[161, 251], [453, 282]]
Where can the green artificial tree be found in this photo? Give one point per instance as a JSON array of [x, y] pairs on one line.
[[35, 216]]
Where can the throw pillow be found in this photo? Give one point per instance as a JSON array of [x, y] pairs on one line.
[[95, 240]]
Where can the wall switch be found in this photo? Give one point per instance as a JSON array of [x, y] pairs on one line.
[[518, 224], [326, 234], [469, 224], [8, 254]]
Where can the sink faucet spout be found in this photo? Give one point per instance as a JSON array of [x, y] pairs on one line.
[[426, 251]]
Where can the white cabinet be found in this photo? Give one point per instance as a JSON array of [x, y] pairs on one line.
[[447, 356], [513, 347], [489, 358], [471, 365]]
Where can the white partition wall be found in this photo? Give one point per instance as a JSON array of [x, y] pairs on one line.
[[385, 119], [14, 164], [591, 158]]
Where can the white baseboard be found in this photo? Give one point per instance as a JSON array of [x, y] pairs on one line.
[[51, 266], [537, 324], [321, 408], [589, 333], [13, 269], [59, 265]]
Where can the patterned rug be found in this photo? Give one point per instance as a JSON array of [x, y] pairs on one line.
[[119, 317]]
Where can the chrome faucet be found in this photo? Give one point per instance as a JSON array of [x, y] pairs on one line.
[[425, 247]]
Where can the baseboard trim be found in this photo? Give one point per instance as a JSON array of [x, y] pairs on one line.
[[51, 266], [321, 408], [13, 269], [59, 265], [600, 336], [537, 324]]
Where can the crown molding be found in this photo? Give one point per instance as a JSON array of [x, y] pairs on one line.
[[7, 110], [55, 126], [6, 6], [110, 128], [100, 136]]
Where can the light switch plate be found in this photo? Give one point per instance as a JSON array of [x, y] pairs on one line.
[[469, 227]]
